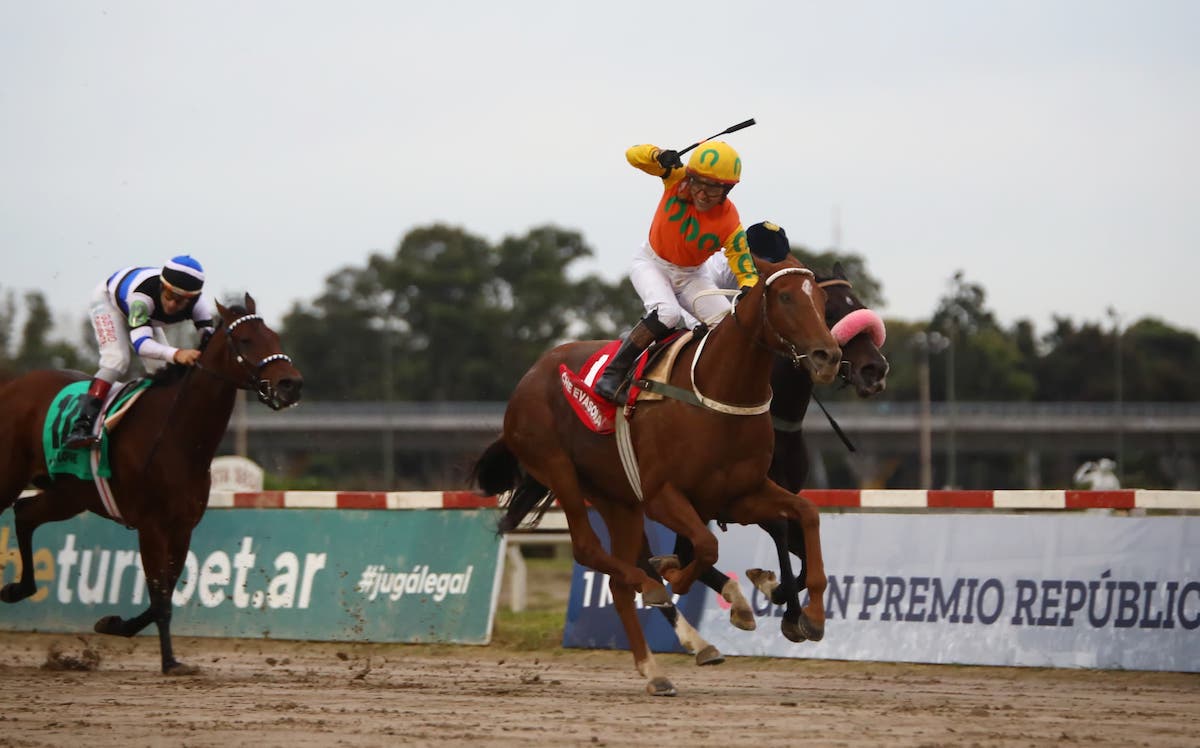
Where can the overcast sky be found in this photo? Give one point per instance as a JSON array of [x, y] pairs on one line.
[[1050, 150]]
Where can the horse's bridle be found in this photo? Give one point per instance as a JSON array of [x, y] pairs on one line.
[[844, 365], [763, 407], [797, 358], [263, 388]]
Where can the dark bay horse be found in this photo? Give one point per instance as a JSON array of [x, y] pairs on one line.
[[159, 452], [860, 333], [696, 463]]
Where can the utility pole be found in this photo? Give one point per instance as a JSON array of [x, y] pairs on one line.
[[240, 436], [388, 445], [836, 221], [951, 413], [1118, 394], [925, 344]]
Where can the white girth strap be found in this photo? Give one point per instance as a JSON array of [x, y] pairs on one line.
[[717, 405], [106, 495], [628, 458]]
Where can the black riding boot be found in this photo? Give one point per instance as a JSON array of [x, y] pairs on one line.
[[81, 433], [645, 332]]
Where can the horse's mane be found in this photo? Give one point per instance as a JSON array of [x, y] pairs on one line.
[[172, 373], [169, 374]]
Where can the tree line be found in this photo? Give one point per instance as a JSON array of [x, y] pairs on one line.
[[450, 316]]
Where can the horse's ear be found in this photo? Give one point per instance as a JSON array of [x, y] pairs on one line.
[[786, 259], [838, 271], [249, 303], [222, 310]]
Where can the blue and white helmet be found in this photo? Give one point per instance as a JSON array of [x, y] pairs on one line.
[[183, 275]]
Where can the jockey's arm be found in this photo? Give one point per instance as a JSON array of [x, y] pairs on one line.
[[738, 258], [146, 346], [645, 158], [717, 269], [141, 330]]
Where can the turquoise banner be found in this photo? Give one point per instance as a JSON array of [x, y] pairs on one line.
[[311, 574]]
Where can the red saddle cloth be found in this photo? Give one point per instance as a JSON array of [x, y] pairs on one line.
[[596, 413]]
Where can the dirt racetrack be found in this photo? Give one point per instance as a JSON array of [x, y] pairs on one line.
[[297, 694]]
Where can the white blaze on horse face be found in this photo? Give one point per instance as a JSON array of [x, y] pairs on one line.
[[807, 286]]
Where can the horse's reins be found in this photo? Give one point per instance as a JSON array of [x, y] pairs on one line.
[[262, 388]]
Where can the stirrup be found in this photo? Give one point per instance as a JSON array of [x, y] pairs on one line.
[[82, 437], [616, 392], [81, 441]]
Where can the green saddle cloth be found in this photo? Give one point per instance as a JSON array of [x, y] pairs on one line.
[[61, 460]]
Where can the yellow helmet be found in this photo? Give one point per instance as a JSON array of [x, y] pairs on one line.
[[716, 160]]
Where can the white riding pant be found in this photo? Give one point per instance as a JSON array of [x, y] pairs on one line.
[[112, 335], [675, 292]]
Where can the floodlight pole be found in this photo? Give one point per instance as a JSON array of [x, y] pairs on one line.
[[1118, 395]]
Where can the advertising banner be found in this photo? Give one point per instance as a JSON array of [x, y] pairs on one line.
[[1061, 590], [343, 575]]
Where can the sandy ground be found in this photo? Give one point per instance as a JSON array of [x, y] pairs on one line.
[[297, 694]]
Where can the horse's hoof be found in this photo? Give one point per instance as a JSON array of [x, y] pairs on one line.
[[802, 629], [742, 619], [740, 613], [811, 630], [14, 592], [178, 668], [112, 625], [792, 631], [710, 655], [764, 580], [656, 596], [664, 563], [660, 686]]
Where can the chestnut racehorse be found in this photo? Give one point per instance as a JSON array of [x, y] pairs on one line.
[[160, 454], [860, 333], [696, 464]]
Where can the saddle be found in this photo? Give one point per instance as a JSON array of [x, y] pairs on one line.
[[61, 460], [654, 365]]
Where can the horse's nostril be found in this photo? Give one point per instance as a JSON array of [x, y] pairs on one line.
[[826, 357], [289, 388], [874, 372]]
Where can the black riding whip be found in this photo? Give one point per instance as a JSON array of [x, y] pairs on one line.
[[726, 131]]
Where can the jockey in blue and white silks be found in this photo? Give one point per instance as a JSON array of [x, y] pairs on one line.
[[131, 308]]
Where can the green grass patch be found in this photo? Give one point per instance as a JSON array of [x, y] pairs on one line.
[[529, 630]]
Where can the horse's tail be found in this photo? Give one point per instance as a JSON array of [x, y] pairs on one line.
[[528, 497], [497, 472]]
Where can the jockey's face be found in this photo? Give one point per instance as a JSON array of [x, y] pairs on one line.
[[171, 301], [705, 194]]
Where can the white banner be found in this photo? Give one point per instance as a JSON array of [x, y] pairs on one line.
[[1046, 590]]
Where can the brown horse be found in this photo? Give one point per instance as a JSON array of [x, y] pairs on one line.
[[159, 452], [860, 333], [696, 463]]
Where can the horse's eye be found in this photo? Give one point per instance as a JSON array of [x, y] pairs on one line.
[[785, 297]]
